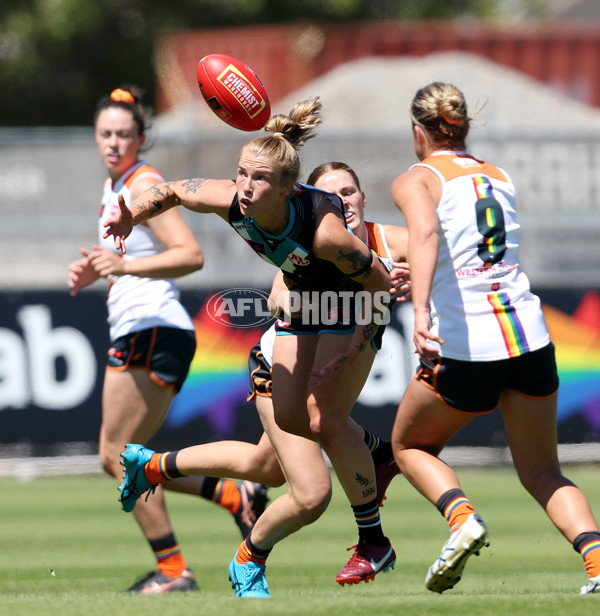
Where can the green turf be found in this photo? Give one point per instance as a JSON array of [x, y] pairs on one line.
[[67, 549]]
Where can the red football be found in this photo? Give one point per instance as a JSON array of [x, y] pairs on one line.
[[233, 91]]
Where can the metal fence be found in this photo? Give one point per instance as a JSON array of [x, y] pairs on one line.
[[51, 184]]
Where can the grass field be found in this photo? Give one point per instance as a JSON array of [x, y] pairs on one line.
[[67, 549]]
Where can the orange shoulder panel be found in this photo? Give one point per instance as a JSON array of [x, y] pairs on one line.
[[454, 165], [139, 171], [376, 243]]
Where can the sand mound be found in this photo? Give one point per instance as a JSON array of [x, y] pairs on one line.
[[373, 94]]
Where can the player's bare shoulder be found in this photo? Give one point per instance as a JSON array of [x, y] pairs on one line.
[[397, 239]]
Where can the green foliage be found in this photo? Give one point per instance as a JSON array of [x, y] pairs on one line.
[[68, 549], [58, 57]]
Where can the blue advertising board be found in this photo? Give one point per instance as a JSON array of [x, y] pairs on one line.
[[53, 348]]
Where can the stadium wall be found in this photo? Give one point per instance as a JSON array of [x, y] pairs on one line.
[[52, 179], [52, 350]]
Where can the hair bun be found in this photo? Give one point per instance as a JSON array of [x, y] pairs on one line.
[[122, 96]]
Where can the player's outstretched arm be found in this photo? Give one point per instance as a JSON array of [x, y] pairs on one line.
[[196, 194]]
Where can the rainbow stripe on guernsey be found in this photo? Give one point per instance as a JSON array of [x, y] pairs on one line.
[[510, 325], [483, 187], [485, 190]]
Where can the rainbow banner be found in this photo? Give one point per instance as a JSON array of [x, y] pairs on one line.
[[577, 342], [218, 378], [217, 384]]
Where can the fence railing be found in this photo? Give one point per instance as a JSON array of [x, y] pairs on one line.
[[51, 183]]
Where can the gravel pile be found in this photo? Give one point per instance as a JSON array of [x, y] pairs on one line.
[[373, 95]]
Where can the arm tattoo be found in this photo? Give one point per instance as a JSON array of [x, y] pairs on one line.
[[154, 204], [359, 262], [369, 331], [156, 200], [192, 185], [356, 259]]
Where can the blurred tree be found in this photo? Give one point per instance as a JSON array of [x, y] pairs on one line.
[[58, 57]]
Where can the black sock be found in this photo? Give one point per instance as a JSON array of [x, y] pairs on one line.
[[445, 499], [258, 552], [381, 451], [171, 465], [369, 523], [208, 487]]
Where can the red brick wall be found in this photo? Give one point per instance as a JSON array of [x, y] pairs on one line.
[[563, 54]]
